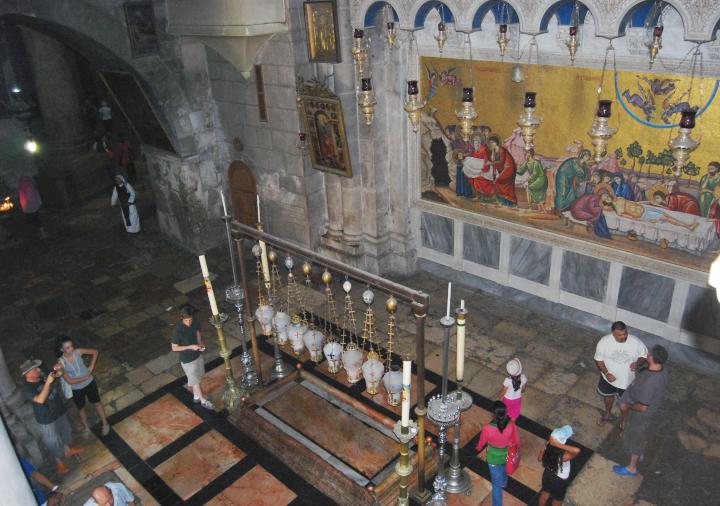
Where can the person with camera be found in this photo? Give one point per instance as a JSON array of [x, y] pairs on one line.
[[49, 408]]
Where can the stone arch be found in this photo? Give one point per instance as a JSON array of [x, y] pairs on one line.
[[418, 5], [105, 44], [243, 192], [678, 6], [476, 5], [543, 12], [367, 5]]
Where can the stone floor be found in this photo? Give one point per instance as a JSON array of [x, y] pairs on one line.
[[120, 294]]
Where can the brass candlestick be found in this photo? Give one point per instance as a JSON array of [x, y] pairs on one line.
[[404, 468]]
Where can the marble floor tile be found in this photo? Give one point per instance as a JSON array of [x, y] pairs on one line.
[[507, 500], [363, 448], [199, 463], [138, 491], [156, 425], [480, 490], [257, 487]]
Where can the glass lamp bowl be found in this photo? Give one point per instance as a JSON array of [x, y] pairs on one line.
[[264, 315], [393, 385], [352, 359], [373, 371], [281, 322], [313, 340], [296, 331], [333, 354]]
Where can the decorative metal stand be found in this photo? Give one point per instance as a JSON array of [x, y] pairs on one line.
[[279, 368], [443, 412], [458, 480], [232, 394], [404, 468], [235, 296]]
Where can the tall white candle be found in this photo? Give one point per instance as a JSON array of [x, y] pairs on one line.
[[264, 261], [258, 207], [208, 285], [448, 300], [222, 198], [407, 374], [460, 369]]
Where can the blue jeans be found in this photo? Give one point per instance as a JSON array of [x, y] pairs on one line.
[[498, 477]]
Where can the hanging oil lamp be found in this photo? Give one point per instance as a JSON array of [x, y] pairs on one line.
[[302, 142], [441, 36], [601, 132], [503, 40], [352, 356], [390, 33], [656, 45], [466, 114], [682, 145], [573, 43], [366, 100], [392, 379], [358, 49], [528, 121], [413, 105]]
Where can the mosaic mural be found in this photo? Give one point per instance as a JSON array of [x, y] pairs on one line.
[[631, 200]]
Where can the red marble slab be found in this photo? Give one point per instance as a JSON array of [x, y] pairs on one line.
[[353, 442], [257, 487], [157, 425], [199, 463]]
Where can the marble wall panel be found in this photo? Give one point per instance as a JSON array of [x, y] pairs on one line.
[[702, 312], [481, 245], [645, 293], [437, 233], [584, 276], [530, 260]]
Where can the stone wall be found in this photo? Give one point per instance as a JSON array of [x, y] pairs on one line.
[[176, 84]]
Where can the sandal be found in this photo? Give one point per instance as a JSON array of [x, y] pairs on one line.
[[610, 418], [623, 471]]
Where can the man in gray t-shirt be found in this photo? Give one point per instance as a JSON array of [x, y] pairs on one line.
[[639, 403]]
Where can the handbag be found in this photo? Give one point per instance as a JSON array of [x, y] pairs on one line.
[[513, 457], [66, 388]]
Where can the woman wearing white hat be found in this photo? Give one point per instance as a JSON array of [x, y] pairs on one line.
[[513, 388]]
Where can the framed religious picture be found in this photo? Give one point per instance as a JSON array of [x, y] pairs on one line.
[[140, 19], [321, 26], [324, 124]]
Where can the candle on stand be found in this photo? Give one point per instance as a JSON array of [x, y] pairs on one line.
[[263, 249], [208, 285], [407, 372], [258, 207], [447, 313], [460, 354], [222, 198]]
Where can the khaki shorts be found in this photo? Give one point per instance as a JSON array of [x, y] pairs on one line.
[[194, 370]]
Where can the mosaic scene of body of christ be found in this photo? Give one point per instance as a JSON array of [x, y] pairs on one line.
[[631, 200]]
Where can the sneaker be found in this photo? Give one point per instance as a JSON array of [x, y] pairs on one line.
[[207, 404], [196, 400], [62, 469], [105, 430], [73, 452]]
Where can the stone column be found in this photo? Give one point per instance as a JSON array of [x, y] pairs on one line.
[[54, 71], [345, 89], [16, 489], [333, 189]]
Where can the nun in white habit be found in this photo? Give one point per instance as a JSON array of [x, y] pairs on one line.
[[125, 195]]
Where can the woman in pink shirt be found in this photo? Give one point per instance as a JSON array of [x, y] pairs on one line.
[[498, 435]]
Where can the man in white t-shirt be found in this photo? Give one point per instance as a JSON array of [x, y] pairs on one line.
[[617, 356]]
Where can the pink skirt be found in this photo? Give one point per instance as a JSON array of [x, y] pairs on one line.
[[513, 407]]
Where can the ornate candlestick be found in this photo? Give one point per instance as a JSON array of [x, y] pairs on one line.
[[235, 296], [443, 412], [458, 481], [404, 468], [232, 394]]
